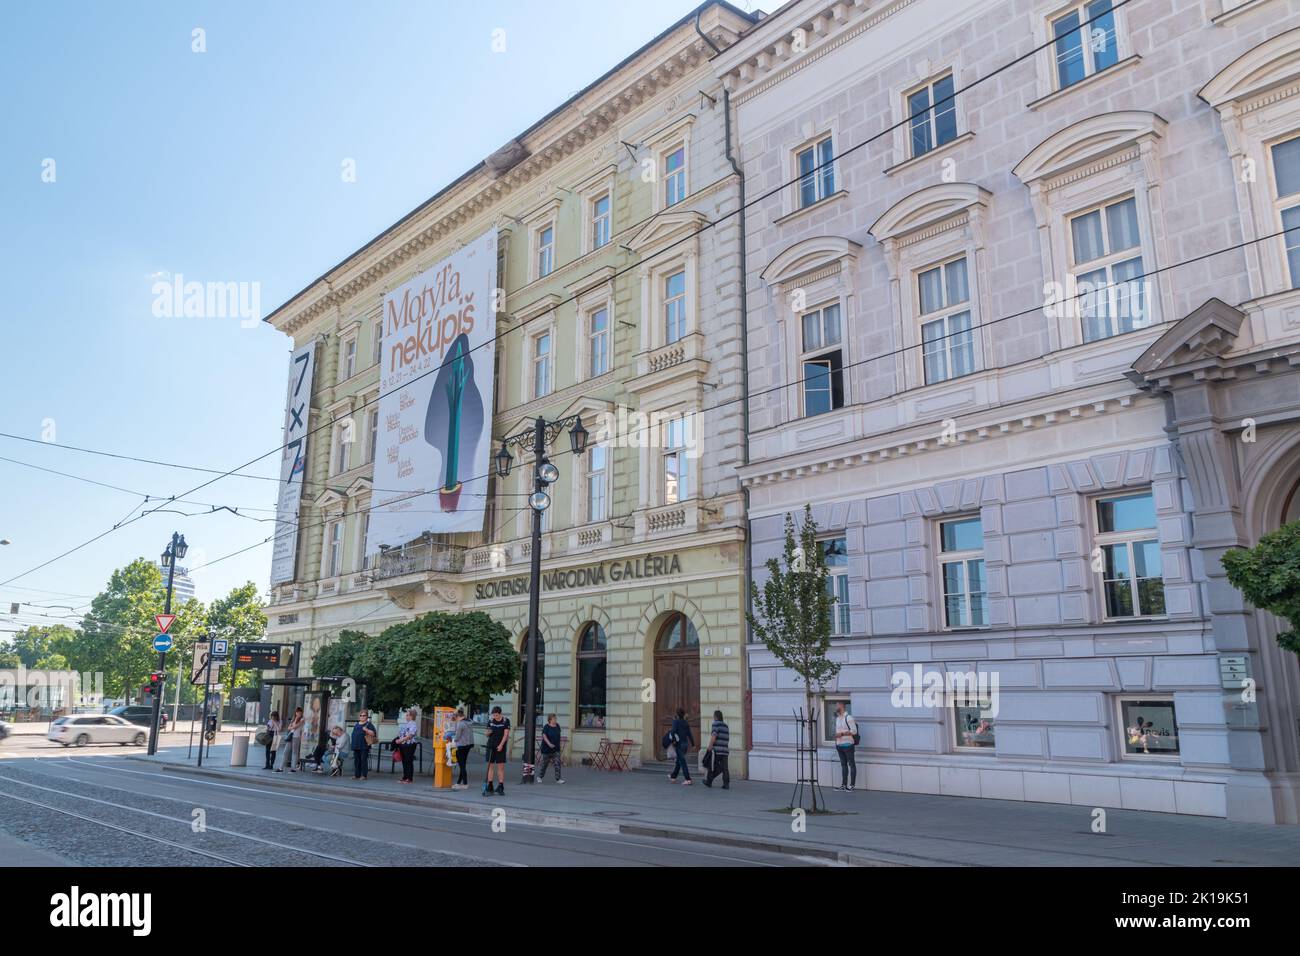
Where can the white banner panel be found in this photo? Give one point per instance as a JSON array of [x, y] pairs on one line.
[[435, 406], [293, 463]]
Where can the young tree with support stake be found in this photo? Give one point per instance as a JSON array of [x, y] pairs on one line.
[[792, 615]]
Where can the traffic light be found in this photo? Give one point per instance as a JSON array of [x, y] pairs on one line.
[[155, 685]]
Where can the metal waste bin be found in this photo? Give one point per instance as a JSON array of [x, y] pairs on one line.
[[239, 750]]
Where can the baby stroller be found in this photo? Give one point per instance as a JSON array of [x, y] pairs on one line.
[[334, 761]]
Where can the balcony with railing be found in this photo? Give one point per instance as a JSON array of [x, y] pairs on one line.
[[416, 557]]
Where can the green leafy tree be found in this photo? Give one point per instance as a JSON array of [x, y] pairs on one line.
[[792, 612], [335, 659], [439, 659], [44, 648], [9, 659], [1268, 575], [238, 617]]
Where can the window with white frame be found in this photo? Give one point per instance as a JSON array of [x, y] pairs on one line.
[[1084, 41], [931, 115], [822, 360], [343, 446], [347, 358], [1106, 263], [598, 342], [835, 551], [816, 172], [674, 175], [961, 571], [361, 542], [597, 466], [541, 365], [1286, 186], [947, 340], [674, 306], [545, 250], [377, 343], [677, 477], [1128, 556], [600, 221], [373, 434], [334, 548]]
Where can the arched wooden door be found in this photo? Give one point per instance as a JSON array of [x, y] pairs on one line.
[[677, 678]]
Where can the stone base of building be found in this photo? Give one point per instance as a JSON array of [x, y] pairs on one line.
[[1242, 797]]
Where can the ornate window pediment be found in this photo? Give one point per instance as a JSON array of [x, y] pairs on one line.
[[927, 207], [1273, 64], [810, 255], [1206, 333], [330, 500], [666, 228], [1087, 141]]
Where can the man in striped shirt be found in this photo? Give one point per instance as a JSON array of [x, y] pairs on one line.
[[719, 737]]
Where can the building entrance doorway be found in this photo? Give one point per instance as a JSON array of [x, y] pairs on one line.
[[677, 678]]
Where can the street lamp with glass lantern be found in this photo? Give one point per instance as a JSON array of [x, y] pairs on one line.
[[175, 551], [545, 474]]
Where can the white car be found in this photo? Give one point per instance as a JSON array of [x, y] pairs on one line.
[[82, 729]]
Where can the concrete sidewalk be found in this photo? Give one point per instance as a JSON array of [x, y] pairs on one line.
[[865, 827]]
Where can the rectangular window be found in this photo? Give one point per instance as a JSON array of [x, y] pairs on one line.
[[334, 557], [1150, 727], [1130, 556], [598, 342], [674, 307], [827, 716], [1106, 252], [597, 462], [961, 568], [947, 341], [816, 172], [1286, 179], [1085, 41], [600, 222], [377, 343], [932, 114], [374, 434], [822, 364], [545, 251], [836, 553], [349, 364], [674, 173], [542, 365], [974, 730], [361, 544], [677, 463], [342, 448]]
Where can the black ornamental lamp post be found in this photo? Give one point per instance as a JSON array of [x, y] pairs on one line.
[[545, 473], [175, 551]]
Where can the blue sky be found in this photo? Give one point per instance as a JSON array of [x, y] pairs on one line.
[[222, 166]]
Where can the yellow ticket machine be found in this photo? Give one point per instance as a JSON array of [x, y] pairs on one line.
[[444, 722]]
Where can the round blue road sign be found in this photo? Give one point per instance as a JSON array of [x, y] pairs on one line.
[[162, 643]]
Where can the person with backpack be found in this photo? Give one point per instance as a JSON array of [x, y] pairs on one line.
[[551, 741], [846, 739], [719, 737], [680, 739]]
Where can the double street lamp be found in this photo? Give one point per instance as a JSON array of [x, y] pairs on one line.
[[545, 474], [175, 551]]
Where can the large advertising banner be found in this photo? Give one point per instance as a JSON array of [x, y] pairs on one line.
[[293, 463], [435, 406]]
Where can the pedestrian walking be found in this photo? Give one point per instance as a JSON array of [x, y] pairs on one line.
[[846, 739], [497, 740], [289, 743], [273, 736], [682, 740], [719, 748], [551, 741], [463, 740], [364, 736], [407, 736]]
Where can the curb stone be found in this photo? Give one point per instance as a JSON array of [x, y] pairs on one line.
[[570, 821]]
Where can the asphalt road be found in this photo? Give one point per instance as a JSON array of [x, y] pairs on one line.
[[94, 808]]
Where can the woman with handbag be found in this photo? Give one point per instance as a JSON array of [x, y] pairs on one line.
[[272, 733], [289, 743], [407, 735], [364, 736]]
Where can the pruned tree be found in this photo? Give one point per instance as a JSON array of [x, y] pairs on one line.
[[1268, 576]]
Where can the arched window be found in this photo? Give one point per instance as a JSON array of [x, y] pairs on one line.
[[591, 677], [678, 634], [538, 685]]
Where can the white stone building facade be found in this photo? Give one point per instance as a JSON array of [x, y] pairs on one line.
[[1022, 324]]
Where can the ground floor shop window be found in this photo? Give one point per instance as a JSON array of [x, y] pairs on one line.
[[1150, 727], [591, 677], [975, 730], [827, 716]]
